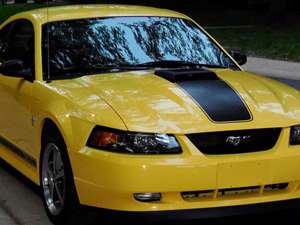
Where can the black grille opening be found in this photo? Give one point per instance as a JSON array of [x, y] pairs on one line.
[[197, 194], [276, 187], [235, 142], [239, 191], [190, 195]]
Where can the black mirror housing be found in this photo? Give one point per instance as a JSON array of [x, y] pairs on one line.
[[14, 68], [238, 56]]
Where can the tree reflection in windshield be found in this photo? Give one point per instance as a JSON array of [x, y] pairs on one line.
[[75, 44]]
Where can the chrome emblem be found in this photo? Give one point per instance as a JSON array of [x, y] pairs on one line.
[[237, 140]]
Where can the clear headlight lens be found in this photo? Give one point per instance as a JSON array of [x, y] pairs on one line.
[[295, 135], [130, 142]]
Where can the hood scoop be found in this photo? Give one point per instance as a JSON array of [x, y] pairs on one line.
[[177, 75]]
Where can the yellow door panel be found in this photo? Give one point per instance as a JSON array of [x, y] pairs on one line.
[[16, 159], [16, 125]]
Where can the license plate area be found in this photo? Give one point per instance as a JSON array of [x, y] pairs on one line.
[[243, 174]]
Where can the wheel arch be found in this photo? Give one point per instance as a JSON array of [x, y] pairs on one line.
[[50, 126]]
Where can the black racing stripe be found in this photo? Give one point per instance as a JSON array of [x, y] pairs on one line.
[[219, 101], [19, 152]]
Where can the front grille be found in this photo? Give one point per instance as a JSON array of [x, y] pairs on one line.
[[235, 142], [227, 192]]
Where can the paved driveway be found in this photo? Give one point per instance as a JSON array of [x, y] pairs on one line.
[[19, 198], [286, 72], [274, 68], [20, 203]]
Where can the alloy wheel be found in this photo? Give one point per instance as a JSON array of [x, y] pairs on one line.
[[53, 179]]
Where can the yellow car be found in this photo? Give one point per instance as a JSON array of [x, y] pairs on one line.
[[138, 111]]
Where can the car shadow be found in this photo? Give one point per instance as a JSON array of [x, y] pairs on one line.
[[277, 218], [20, 177]]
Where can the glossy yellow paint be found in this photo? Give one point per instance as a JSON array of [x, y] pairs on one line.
[[108, 180]]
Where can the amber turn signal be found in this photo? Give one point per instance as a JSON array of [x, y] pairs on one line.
[[105, 138]]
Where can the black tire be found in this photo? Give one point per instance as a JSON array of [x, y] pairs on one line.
[[71, 213]]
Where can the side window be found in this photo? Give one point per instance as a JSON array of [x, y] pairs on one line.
[[4, 32], [19, 43]]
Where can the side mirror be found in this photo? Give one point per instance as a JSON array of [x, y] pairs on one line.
[[239, 57], [14, 68]]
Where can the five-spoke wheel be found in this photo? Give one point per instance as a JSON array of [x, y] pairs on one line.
[[53, 179]]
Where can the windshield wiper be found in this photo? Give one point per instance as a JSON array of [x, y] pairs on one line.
[[84, 70], [176, 63]]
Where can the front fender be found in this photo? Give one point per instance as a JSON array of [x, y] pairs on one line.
[[74, 121]]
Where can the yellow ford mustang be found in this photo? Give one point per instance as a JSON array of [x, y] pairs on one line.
[[138, 111]]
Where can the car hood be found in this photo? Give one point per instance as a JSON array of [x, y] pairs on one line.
[[149, 103]]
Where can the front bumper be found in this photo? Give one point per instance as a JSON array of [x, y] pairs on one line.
[[109, 180]]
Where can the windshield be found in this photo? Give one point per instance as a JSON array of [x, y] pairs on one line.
[[89, 46]]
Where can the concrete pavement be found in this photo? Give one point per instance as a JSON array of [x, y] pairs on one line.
[[20, 203], [286, 72], [5, 218], [274, 68]]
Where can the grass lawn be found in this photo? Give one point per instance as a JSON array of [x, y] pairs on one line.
[[277, 42], [8, 10]]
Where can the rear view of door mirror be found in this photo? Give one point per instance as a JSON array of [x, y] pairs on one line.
[[239, 57], [14, 68]]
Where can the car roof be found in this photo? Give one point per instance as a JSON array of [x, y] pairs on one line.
[[58, 13]]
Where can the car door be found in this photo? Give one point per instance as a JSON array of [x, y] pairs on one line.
[[17, 43]]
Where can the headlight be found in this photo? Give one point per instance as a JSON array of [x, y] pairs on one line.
[[131, 142], [295, 135]]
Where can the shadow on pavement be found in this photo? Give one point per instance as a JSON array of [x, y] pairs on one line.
[[20, 177]]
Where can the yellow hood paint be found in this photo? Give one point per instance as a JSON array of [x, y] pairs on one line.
[[148, 103]]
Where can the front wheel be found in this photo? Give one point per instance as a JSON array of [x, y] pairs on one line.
[[57, 183], [53, 179]]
